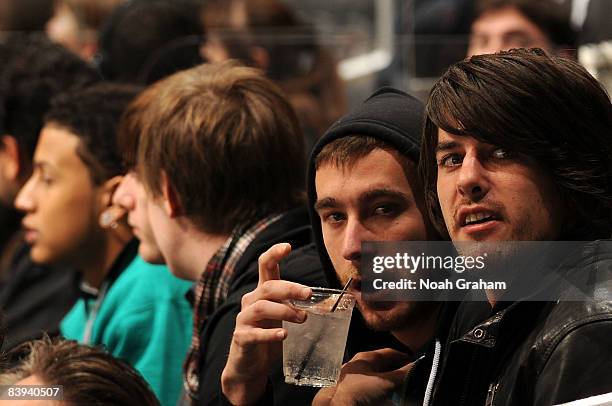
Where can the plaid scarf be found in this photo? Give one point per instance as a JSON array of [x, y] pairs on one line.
[[212, 289]]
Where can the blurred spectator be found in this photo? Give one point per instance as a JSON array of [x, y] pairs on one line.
[[32, 71], [145, 40], [440, 28], [9, 220], [268, 35], [37, 71], [231, 128], [25, 15], [500, 25], [138, 311], [88, 375], [75, 24]]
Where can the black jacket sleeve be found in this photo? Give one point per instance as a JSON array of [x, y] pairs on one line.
[[217, 349], [216, 340], [579, 366]]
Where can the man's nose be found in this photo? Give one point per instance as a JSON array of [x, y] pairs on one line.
[[25, 199], [472, 182], [354, 234]]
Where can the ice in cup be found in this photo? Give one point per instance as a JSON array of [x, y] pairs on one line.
[[313, 350]]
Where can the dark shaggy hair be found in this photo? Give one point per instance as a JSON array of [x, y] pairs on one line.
[[36, 70], [344, 152], [547, 108], [93, 115], [139, 33]]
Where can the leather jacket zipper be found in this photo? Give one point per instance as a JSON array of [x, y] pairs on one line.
[[491, 394]]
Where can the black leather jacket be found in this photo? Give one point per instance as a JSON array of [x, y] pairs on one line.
[[532, 352]]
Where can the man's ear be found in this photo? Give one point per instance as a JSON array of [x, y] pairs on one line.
[[11, 164], [109, 188], [171, 203]]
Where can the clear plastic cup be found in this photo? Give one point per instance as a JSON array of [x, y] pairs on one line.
[[313, 350]]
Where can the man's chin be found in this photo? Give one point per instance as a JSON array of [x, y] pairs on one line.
[[150, 254], [41, 256], [380, 316], [392, 316], [375, 305]]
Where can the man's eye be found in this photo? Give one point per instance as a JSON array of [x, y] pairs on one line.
[[501, 153], [478, 40], [43, 178], [451, 160], [385, 209], [334, 217], [519, 40], [46, 179]]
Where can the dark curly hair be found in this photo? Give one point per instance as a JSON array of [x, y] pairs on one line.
[[140, 35], [36, 71], [544, 107], [93, 115]]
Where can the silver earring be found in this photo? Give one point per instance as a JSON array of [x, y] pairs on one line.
[[106, 219]]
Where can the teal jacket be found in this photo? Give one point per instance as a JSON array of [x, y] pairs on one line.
[[144, 319]]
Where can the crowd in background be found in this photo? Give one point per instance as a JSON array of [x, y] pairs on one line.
[[152, 150]]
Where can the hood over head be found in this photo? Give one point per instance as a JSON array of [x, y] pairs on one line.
[[390, 115]]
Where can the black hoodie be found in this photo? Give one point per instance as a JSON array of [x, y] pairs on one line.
[[396, 118]]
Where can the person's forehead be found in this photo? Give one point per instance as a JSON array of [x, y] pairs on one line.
[[505, 19], [444, 138], [57, 146], [380, 170]]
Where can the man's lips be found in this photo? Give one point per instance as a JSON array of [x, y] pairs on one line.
[[370, 303], [467, 216], [481, 228], [30, 235], [477, 219], [355, 287]]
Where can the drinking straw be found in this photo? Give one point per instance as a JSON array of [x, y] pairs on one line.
[[346, 285], [311, 349]]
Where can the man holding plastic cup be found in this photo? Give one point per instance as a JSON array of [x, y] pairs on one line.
[[363, 186]]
